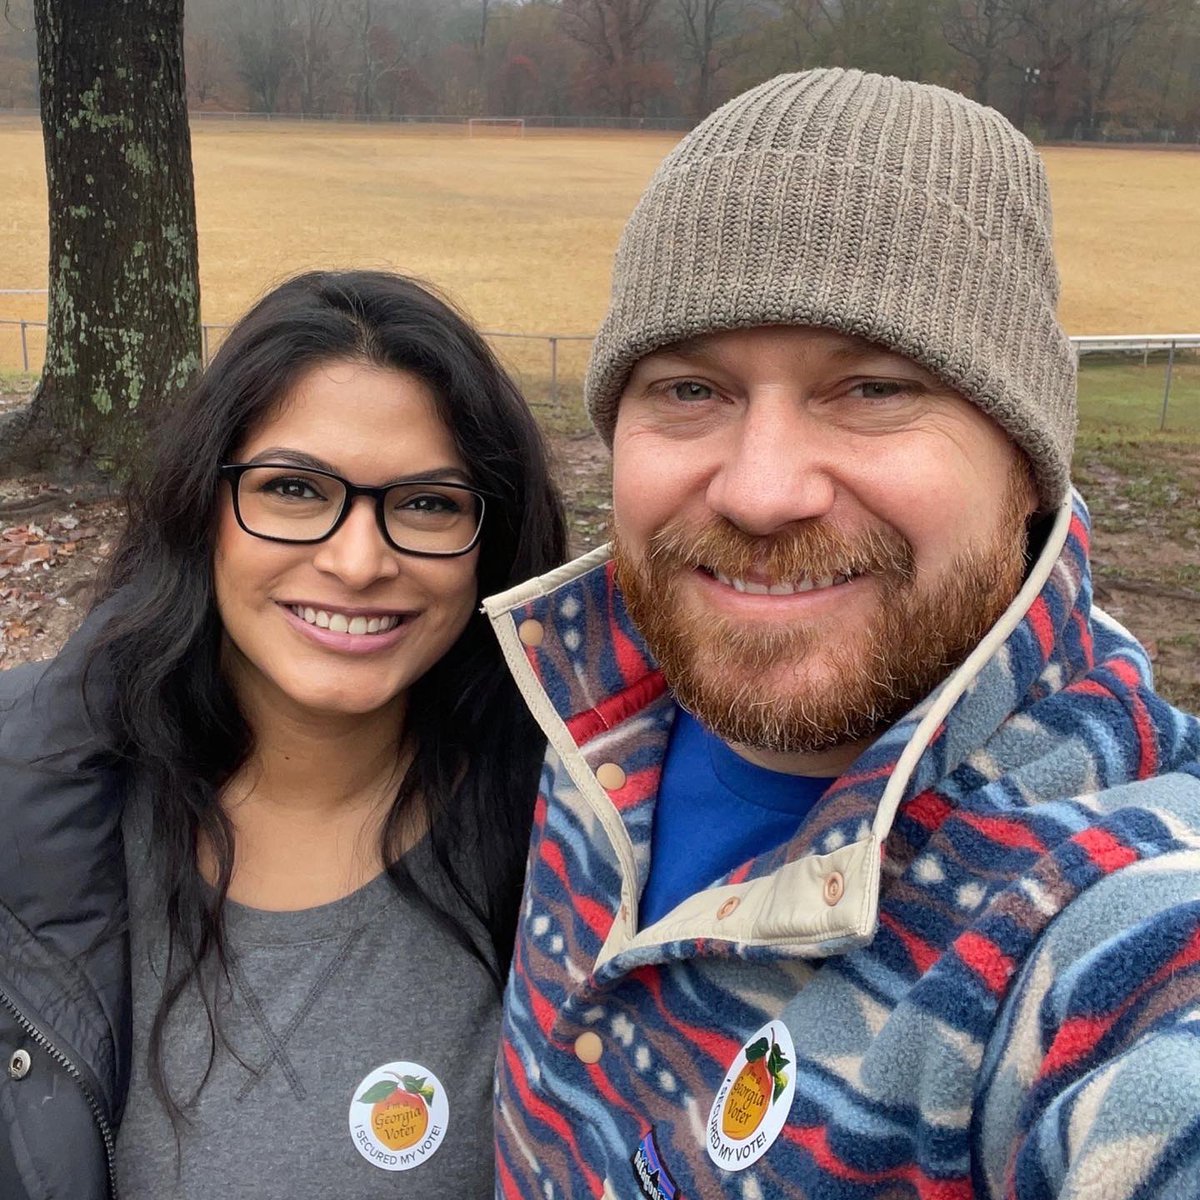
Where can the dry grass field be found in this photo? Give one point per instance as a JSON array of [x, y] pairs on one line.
[[521, 230]]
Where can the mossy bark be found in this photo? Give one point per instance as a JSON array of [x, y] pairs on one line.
[[124, 310]]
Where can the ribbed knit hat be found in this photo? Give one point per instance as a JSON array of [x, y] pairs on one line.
[[900, 212]]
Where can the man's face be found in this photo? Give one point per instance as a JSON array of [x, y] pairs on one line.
[[811, 532]]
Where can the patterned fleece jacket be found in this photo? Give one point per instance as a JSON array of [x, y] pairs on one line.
[[974, 971]]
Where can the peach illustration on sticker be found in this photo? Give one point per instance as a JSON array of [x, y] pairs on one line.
[[752, 1104], [758, 1085], [398, 1116]]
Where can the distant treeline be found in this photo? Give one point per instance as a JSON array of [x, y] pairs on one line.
[[1077, 69]]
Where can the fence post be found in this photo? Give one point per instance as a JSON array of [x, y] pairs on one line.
[[1162, 424], [24, 350], [554, 371], [204, 345]]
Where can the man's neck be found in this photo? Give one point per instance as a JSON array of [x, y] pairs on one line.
[[823, 764]]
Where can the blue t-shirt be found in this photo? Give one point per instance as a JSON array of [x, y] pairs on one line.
[[715, 811]]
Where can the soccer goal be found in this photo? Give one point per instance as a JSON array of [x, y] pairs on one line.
[[496, 127]]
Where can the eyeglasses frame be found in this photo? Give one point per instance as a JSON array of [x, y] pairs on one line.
[[233, 472]]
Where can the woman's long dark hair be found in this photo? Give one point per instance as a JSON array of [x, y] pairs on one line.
[[175, 723]]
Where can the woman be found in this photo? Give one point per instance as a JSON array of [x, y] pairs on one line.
[[324, 776]]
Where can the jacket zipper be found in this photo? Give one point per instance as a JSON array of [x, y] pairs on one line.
[[110, 1146]]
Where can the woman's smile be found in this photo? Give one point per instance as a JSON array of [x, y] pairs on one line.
[[336, 631]]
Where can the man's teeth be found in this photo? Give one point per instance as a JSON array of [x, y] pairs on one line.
[[340, 623], [751, 588]]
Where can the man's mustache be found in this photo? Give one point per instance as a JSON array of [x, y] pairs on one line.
[[804, 550]]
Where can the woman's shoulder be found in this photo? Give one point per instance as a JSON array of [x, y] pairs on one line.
[[17, 683]]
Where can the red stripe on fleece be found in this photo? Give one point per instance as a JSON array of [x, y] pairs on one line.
[[742, 873], [815, 1139], [637, 788], [1076, 1038], [928, 809], [548, 1116], [626, 703], [508, 1184], [919, 950], [1014, 834], [717, 1046], [1090, 687], [544, 1013], [597, 918], [1043, 628], [986, 959], [1079, 531], [1105, 851], [1086, 641], [1127, 673], [601, 1083], [631, 662], [849, 781]]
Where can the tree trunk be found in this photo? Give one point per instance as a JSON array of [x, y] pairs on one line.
[[124, 335]]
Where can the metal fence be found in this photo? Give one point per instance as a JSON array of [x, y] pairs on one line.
[[1139, 381]]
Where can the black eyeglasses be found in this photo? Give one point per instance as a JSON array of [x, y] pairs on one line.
[[280, 502]]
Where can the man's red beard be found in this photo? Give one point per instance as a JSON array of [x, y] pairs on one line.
[[719, 668]]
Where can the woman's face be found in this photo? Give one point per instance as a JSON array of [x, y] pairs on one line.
[[345, 626]]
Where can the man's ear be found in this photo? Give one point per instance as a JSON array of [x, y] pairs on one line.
[[1024, 485]]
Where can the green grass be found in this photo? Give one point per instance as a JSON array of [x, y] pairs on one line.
[[1123, 394], [17, 381], [1133, 482]]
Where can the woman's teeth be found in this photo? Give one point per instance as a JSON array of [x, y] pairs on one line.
[[781, 589], [340, 623]]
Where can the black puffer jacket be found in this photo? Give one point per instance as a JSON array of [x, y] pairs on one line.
[[64, 955]]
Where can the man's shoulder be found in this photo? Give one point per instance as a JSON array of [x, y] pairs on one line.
[[1141, 876]]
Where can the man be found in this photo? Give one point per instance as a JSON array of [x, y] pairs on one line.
[[868, 862]]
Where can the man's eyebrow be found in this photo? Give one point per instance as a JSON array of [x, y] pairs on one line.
[[692, 347], [861, 348], [689, 346]]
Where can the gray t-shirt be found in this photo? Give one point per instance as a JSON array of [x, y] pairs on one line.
[[363, 1042]]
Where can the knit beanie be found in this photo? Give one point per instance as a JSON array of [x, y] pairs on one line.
[[898, 212]]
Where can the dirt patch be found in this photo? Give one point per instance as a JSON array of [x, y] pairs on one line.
[[1145, 500], [52, 545]]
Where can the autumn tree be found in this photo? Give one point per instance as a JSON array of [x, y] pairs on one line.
[[709, 29], [314, 53], [263, 41], [615, 33], [123, 335], [981, 31]]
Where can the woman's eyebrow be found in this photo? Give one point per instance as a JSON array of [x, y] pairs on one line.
[[435, 474], [295, 458]]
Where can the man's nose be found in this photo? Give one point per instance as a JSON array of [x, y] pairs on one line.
[[775, 468], [357, 553]]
